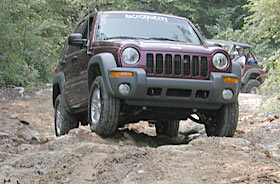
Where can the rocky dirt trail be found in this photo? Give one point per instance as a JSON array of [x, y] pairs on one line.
[[30, 153]]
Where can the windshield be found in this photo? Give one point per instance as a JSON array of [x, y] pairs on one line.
[[145, 26], [246, 51], [227, 47]]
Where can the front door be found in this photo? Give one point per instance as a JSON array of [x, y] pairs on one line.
[[78, 86]]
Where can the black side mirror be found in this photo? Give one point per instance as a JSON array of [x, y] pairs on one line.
[[76, 39]]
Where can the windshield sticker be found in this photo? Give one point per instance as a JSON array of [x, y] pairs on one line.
[[146, 17]]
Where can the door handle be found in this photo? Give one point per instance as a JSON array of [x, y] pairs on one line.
[[74, 58]]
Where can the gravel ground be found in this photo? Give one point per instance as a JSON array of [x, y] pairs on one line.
[[30, 152]]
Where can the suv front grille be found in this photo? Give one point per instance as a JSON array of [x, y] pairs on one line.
[[177, 65]]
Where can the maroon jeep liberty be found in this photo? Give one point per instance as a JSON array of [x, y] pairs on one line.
[[122, 67]]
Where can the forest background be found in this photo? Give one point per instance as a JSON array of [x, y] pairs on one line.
[[33, 32]]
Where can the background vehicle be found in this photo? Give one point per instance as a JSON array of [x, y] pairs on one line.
[[120, 67], [253, 75]]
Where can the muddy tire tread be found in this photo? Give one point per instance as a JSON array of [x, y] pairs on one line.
[[108, 121], [169, 128], [227, 121], [68, 120], [250, 84]]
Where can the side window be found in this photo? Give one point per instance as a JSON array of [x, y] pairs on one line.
[[79, 29]]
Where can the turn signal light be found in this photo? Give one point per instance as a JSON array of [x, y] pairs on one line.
[[230, 80], [121, 74]]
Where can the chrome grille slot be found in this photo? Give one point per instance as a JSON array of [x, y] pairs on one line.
[[168, 64], [159, 64], [150, 63], [177, 64], [195, 66], [204, 66], [187, 65]]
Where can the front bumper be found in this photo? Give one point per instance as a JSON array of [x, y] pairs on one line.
[[173, 92]]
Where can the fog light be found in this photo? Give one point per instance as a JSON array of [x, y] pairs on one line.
[[124, 89], [227, 94]]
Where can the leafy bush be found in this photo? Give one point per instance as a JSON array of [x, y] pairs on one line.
[[34, 33], [35, 30], [264, 22]]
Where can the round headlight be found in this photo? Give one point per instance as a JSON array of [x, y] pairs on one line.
[[130, 55], [220, 61]]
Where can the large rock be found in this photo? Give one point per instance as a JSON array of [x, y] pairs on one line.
[[28, 135], [189, 127]]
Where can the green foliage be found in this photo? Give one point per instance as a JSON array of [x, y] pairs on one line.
[[252, 32], [35, 30], [265, 17], [265, 23], [272, 83], [220, 14]]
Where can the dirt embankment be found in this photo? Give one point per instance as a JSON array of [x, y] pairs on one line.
[[30, 153]]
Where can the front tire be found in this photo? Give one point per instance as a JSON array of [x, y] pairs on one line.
[[103, 109], [223, 122], [252, 86], [63, 120], [169, 128]]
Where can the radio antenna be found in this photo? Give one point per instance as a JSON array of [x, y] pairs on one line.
[[88, 22], [88, 29]]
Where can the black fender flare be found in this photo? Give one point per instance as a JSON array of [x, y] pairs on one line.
[[58, 82], [104, 61], [248, 74], [236, 69]]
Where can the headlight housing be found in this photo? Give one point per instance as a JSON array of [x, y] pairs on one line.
[[130, 55], [220, 61]]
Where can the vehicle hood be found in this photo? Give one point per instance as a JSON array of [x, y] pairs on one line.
[[162, 46]]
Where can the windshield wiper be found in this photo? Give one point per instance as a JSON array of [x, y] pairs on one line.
[[124, 37], [167, 39], [140, 38]]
